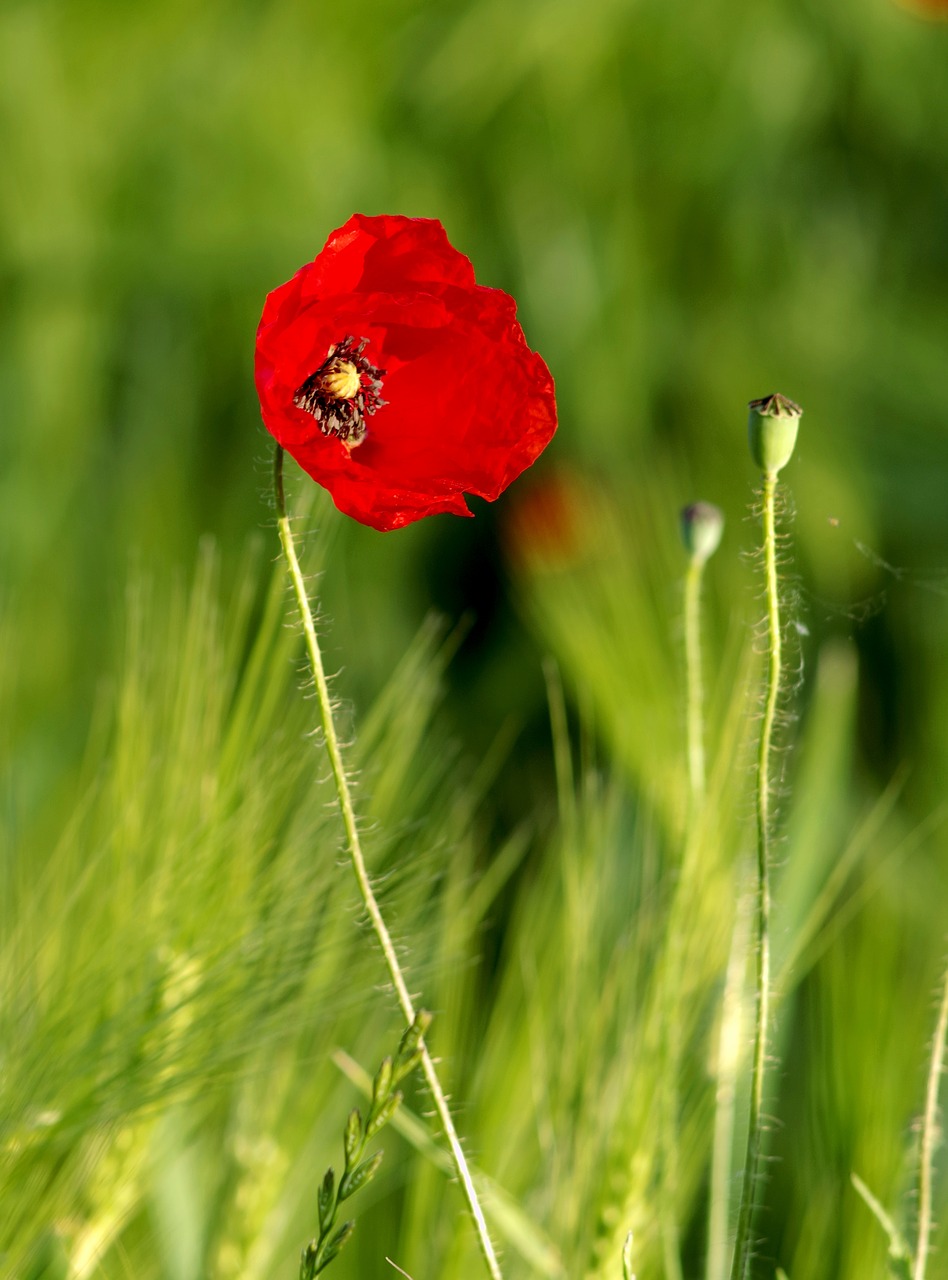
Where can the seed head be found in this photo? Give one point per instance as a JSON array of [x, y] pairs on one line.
[[772, 426]]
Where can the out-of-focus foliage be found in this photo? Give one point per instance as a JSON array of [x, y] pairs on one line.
[[179, 970], [694, 205]]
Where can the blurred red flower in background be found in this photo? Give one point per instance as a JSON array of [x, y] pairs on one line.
[[396, 381], [933, 9], [550, 525]]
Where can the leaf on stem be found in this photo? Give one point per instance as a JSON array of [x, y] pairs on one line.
[[381, 1086], [409, 1046], [353, 1139], [359, 1176], [383, 1115], [335, 1244], [325, 1201]]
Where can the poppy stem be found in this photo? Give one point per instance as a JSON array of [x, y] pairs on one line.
[[702, 524], [728, 1053], [743, 1247], [358, 865], [929, 1138], [696, 771]]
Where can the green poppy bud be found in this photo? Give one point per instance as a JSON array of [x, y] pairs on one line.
[[701, 527], [772, 426]]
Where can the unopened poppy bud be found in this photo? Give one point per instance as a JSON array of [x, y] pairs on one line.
[[772, 426], [702, 524]]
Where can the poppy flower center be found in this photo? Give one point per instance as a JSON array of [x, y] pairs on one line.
[[343, 392]]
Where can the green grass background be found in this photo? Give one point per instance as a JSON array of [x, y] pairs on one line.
[[693, 205]]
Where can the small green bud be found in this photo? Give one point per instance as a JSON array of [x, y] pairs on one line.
[[382, 1084], [352, 1138], [772, 426], [332, 1247], [325, 1199], [405, 1066], [385, 1112], [308, 1261], [412, 1037], [359, 1176], [702, 524]]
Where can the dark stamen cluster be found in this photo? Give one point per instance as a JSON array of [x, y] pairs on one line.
[[323, 394]]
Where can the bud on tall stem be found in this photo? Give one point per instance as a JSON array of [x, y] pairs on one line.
[[772, 428], [702, 524]]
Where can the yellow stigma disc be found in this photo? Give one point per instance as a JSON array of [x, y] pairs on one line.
[[341, 380]]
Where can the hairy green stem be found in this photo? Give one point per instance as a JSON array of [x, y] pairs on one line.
[[674, 961], [670, 1103], [358, 865], [743, 1246], [728, 1058], [694, 681], [929, 1138]]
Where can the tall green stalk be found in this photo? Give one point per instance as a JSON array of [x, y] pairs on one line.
[[695, 685], [929, 1138], [772, 428], [358, 865], [702, 524], [742, 1248], [701, 527], [727, 1062]]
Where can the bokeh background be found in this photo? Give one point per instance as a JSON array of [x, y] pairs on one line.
[[694, 205]]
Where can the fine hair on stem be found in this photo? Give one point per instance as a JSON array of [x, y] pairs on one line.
[[763, 793], [354, 848]]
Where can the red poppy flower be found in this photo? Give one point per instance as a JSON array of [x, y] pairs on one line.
[[396, 381]]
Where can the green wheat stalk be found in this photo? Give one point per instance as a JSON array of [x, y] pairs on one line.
[[358, 865]]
